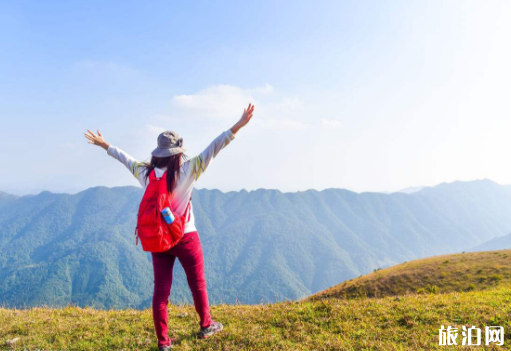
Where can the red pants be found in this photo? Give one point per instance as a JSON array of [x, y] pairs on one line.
[[189, 253]]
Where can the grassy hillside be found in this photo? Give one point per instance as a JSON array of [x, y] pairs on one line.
[[406, 323], [446, 273]]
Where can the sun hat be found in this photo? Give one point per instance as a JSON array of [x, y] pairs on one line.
[[169, 144]]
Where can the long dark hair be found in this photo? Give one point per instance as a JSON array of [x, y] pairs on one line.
[[173, 164]]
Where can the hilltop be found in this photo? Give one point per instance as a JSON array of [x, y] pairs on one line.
[[406, 323], [445, 273], [327, 321]]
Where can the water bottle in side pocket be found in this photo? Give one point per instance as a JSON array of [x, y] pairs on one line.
[[168, 215]]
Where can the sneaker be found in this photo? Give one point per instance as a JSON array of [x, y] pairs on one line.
[[214, 328], [167, 348]]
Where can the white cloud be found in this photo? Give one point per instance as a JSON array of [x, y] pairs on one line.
[[227, 102], [218, 101], [331, 123], [266, 89]]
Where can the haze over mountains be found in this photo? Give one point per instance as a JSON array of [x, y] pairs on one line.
[[260, 245], [500, 243]]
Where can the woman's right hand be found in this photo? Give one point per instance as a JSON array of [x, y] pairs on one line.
[[245, 118]]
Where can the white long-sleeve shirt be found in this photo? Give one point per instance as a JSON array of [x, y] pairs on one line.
[[190, 172]]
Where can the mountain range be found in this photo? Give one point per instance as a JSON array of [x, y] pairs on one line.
[[262, 245]]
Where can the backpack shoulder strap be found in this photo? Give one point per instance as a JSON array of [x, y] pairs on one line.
[[162, 182], [152, 178]]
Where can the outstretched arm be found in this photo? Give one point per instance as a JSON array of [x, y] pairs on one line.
[[199, 163], [130, 162]]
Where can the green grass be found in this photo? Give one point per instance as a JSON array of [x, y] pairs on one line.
[[471, 289], [474, 271], [409, 322]]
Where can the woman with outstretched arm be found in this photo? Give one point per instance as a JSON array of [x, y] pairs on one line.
[[182, 173]]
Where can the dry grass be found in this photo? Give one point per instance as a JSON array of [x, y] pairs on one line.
[[406, 323], [459, 272]]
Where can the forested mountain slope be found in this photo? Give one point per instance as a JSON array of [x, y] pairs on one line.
[[258, 245]]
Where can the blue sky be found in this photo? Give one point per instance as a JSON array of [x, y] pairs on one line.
[[363, 95]]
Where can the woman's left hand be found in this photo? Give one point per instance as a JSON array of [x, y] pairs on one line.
[[97, 139]]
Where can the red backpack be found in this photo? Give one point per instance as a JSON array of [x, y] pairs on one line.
[[152, 229]]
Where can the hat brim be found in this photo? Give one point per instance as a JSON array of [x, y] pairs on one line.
[[167, 152]]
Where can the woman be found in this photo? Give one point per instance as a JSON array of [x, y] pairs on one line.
[[182, 173]]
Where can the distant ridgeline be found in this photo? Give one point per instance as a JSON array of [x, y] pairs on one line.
[[262, 245]]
